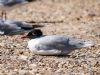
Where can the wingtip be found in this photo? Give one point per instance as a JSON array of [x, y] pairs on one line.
[[37, 26], [89, 43]]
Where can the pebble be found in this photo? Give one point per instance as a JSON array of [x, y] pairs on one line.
[[23, 57], [33, 66]]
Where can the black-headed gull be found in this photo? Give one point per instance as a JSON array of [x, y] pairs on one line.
[[11, 27], [54, 44]]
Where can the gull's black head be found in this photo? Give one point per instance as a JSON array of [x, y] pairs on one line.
[[35, 33]]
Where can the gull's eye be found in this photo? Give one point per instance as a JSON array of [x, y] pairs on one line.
[[33, 34], [81, 43]]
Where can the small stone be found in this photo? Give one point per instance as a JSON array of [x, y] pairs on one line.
[[32, 66], [23, 57], [22, 72], [38, 74]]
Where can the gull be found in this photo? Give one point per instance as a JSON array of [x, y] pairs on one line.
[[54, 44], [12, 27]]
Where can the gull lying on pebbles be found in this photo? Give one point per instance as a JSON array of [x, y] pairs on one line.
[[11, 27], [54, 44]]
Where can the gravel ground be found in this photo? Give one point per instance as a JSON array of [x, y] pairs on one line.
[[78, 18]]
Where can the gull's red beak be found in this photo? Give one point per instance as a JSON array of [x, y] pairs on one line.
[[24, 37]]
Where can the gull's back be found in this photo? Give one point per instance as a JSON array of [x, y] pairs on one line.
[[51, 42]]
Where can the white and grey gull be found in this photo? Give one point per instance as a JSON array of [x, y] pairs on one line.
[[12, 27], [54, 44]]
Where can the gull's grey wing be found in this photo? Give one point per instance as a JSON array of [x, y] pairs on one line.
[[61, 43], [54, 42], [22, 24], [17, 23]]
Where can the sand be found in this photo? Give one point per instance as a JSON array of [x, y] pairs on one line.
[[77, 18]]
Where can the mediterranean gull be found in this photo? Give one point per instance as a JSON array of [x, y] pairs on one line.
[[54, 44]]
